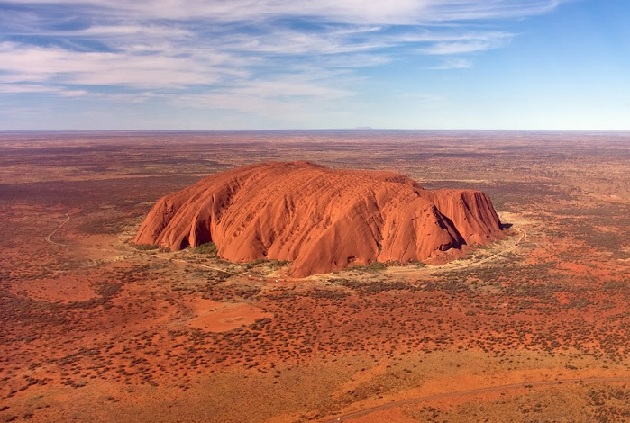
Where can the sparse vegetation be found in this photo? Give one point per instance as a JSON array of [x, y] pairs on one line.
[[208, 249], [97, 316], [373, 267]]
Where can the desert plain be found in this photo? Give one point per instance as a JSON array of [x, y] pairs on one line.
[[533, 327]]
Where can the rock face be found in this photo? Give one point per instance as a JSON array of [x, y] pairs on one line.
[[320, 219]]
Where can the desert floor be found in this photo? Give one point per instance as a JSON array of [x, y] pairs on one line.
[[535, 327]]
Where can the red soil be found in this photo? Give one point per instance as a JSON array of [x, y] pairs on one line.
[[214, 316], [63, 289], [320, 219]]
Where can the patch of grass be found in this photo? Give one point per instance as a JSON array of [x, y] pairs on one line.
[[416, 263], [255, 263], [208, 249], [373, 267], [272, 263], [108, 289]]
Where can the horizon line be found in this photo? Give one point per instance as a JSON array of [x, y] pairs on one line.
[[315, 130]]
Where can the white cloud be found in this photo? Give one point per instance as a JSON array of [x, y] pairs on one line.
[[263, 57], [452, 63], [293, 42], [458, 47], [40, 89], [23, 63], [347, 11]]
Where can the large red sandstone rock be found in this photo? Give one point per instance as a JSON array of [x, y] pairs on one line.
[[320, 219]]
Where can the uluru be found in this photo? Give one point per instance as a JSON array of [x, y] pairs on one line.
[[320, 219]]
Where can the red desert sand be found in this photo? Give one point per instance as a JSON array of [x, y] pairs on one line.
[[320, 219]]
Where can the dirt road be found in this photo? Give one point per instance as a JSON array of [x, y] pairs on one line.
[[56, 229], [473, 392]]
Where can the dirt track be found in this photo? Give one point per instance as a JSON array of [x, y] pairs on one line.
[[56, 229], [473, 392]]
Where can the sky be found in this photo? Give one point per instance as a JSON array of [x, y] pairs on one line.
[[314, 64]]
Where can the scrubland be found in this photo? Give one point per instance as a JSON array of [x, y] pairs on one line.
[[534, 327]]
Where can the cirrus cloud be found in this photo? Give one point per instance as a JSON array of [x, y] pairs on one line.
[[238, 53]]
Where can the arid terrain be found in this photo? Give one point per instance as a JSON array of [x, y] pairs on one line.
[[534, 327]]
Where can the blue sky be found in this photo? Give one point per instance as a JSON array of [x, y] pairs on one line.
[[314, 64]]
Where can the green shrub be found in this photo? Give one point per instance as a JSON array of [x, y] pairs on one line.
[[206, 249], [373, 267]]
